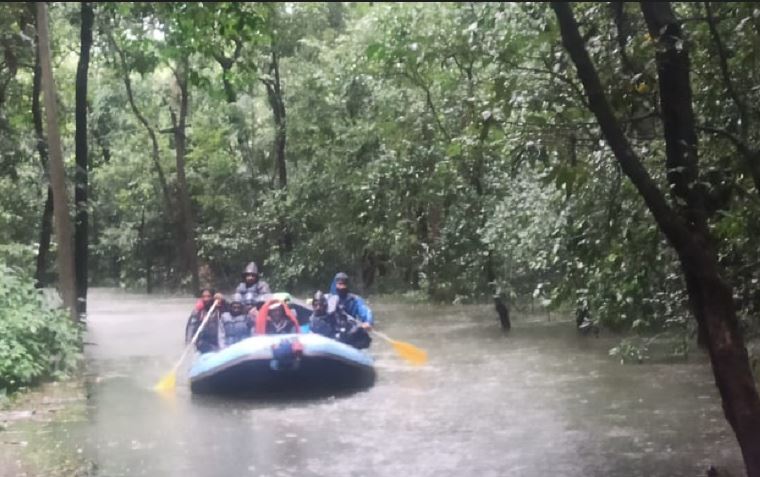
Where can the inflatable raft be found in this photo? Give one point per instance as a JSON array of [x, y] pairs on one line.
[[282, 363]]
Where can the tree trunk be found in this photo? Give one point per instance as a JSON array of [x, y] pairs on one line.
[[710, 296], [46, 224], [46, 231], [274, 93], [63, 230], [180, 144], [142, 241], [81, 238], [501, 308]]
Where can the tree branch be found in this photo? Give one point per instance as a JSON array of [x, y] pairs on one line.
[[141, 118], [751, 156], [677, 111], [671, 223], [723, 61]]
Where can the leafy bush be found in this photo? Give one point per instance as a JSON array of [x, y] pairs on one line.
[[37, 340]]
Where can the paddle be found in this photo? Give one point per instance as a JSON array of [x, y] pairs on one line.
[[169, 381], [407, 351]]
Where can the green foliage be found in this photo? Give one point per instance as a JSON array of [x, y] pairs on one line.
[[37, 340], [426, 144]]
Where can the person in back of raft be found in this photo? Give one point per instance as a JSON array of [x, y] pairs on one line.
[[252, 289], [209, 339]]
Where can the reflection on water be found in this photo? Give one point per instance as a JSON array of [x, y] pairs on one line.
[[542, 402]]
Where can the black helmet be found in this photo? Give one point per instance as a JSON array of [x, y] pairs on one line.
[[341, 277], [250, 269], [319, 298], [237, 299]]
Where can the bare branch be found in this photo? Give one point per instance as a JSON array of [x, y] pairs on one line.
[[723, 61]]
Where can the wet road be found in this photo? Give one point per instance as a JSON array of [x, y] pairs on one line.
[[542, 402]]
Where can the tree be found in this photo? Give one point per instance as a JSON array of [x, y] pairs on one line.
[[179, 128], [685, 224], [273, 85], [46, 222], [63, 230], [80, 178]]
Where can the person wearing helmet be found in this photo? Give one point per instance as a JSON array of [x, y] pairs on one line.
[[320, 321], [352, 307], [236, 325], [252, 289]]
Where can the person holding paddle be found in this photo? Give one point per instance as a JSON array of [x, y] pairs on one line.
[[359, 316], [209, 302]]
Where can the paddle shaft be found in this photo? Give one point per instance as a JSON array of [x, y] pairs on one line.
[[371, 329], [382, 335], [195, 336]]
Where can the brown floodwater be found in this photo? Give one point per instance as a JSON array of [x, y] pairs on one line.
[[541, 402]]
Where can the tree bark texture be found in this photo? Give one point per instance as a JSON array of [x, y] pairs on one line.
[[81, 239], [63, 230], [710, 296], [274, 93], [46, 222]]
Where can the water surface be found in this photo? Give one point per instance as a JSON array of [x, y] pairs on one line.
[[541, 402]]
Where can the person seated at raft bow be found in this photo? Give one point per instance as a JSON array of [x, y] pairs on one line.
[[320, 321], [358, 313], [208, 340], [275, 317], [252, 289], [236, 324]]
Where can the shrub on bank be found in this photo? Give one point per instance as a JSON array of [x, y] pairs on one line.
[[37, 340]]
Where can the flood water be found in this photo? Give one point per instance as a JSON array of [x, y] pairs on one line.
[[541, 402]]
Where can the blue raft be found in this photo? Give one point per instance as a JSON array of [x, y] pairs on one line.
[[267, 364]]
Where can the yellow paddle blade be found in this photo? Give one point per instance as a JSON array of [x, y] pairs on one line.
[[167, 383], [410, 352]]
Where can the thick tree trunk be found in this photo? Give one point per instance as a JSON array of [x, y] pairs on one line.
[[46, 223], [63, 229], [81, 239], [180, 144], [710, 296]]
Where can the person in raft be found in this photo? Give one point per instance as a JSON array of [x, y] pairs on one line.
[[353, 308], [236, 324], [275, 318], [252, 289], [209, 339]]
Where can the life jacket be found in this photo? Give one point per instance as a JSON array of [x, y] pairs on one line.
[[250, 295], [236, 327], [263, 316]]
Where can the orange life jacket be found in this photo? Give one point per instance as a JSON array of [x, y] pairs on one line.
[[263, 316]]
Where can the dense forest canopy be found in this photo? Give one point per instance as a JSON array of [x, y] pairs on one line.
[[428, 148]]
